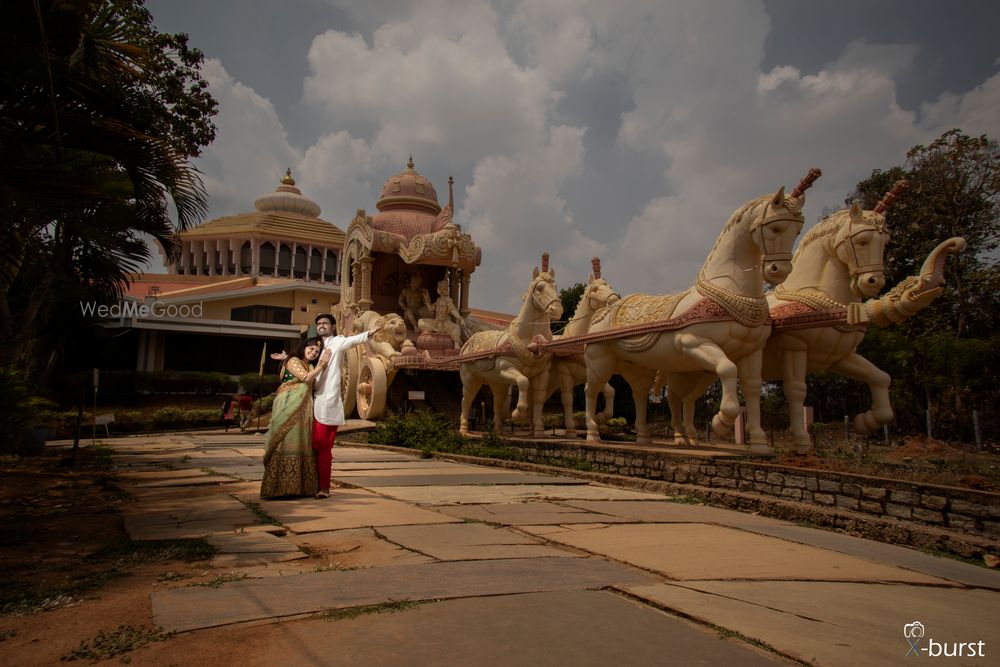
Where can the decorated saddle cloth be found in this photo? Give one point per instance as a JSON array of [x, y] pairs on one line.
[[641, 309]]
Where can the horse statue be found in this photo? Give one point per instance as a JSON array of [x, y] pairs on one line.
[[568, 369], [512, 356], [818, 317], [719, 325]]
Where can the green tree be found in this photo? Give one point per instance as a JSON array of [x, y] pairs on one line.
[[944, 358], [99, 115], [570, 297]]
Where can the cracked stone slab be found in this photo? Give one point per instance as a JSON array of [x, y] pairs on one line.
[[826, 623], [256, 542], [162, 474], [686, 551], [205, 480], [191, 608], [357, 455], [346, 508], [946, 568], [453, 479], [355, 547], [396, 465], [582, 628], [470, 541], [508, 493], [528, 514], [664, 511]]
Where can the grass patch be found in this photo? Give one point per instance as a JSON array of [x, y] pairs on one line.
[[8, 634], [111, 644], [19, 599], [259, 513], [127, 551], [390, 607], [222, 579]]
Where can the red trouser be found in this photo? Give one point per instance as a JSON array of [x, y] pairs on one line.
[[322, 444]]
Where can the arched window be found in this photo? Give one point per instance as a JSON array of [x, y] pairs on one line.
[[315, 264], [246, 258], [330, 274], [284, 261], [266, 259], [300, 262]]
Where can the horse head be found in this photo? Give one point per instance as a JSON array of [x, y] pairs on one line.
[[598, 293], [543, 294], [773, 229], [860, 242]]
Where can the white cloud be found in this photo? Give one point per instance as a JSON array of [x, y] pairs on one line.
[[477, 90]]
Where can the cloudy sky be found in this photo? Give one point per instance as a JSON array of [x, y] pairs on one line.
[[627, 129]]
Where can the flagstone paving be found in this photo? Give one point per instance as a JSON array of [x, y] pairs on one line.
[[514, 567], [697, 551], [181, 609]]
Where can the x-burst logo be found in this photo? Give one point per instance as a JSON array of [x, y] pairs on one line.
[[913, 632]]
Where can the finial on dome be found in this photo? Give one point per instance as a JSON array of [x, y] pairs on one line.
[[409, 165], [288, 180], [451, 194], [545, 262]]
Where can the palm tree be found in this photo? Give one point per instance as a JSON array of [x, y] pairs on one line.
[[99, 115]]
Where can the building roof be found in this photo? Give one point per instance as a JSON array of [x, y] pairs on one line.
[[284, 214]]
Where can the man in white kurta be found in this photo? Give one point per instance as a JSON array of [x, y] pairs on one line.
[[328, 404]]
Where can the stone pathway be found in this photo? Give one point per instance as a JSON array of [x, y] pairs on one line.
[[512, 567]]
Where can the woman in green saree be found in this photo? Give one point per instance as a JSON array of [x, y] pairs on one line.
[[289, 460]]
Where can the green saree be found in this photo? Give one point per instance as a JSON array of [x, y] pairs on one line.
[[289, 461]]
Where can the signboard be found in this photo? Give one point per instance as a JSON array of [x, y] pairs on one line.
[[415, 395]]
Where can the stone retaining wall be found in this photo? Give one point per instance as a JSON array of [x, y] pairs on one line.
[[965, 510]]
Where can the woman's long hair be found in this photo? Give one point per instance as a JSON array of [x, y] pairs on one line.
[[300, 351]]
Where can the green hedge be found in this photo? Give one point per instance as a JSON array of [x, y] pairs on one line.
[[251, 383], [156, 382]]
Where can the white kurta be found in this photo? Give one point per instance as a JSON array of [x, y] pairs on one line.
[[328, 405]]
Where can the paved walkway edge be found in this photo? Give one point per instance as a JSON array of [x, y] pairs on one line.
[[891, 531]]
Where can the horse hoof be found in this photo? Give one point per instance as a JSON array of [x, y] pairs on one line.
[[719, 425], [761, 449]]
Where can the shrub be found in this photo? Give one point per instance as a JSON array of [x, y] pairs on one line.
[[423, 430], [251, 382]]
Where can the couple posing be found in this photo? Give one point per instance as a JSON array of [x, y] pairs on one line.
[[298, 450]]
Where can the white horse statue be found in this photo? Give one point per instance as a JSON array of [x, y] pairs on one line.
[[568, 369], [511, 356], [719, 325], [819, 320]]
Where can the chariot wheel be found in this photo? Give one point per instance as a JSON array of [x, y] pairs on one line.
[[349, 379], [372, 388]]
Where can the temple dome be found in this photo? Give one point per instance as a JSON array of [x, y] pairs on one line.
[[288, 199], [409, 191]]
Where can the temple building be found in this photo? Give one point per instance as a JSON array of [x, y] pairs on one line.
[[263, 276]]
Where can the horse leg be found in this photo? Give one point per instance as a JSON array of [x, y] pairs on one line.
[[501, 398], [857, 367], [565, 380], [609, 402], [512, 375], [675, 401], [470, 387], [600, 367], [700, 384], [538, 386], [750, 377], [793, 384], [641, 380], [711, 357]]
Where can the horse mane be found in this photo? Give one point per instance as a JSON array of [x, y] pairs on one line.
[[831, 224], [740, 214], [826, 227]]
